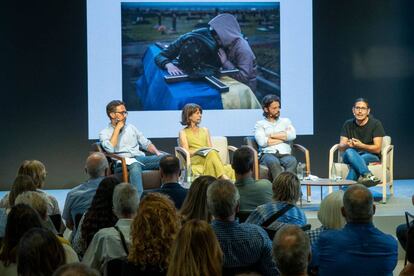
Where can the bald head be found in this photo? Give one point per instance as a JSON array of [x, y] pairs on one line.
[[358, 204], [291, 250], [96, 165]]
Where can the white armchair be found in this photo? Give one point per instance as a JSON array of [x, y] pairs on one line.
[[384, 169]]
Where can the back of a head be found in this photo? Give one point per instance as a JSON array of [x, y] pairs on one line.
[[196, 251], [125, 200], [105, 191], [410, 244], [39, 253], [195, 203], [170, 165], [291, 250], [222, 198], [329, 213], [358, 204], [153, 230], [286, 188], [76, 269], [96, 165], [22, 183], [37, 200], [243, 160], [35, 169]]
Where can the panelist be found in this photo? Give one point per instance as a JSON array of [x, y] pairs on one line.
[[196, 140], [273, 135], [125, 139]]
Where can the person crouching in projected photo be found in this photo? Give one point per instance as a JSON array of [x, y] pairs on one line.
[[196, 140]]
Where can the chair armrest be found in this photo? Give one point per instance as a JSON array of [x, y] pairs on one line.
[[231, 148], [387, 156], [183, 154], [255, 162], [305, 151]]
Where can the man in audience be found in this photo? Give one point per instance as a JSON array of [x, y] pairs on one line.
[[170, 173], [273, 135], [291, 250], [252, 192], [125, 140], [359, 248], [361, 142], [113, 242], [79, 198], [243, 245]]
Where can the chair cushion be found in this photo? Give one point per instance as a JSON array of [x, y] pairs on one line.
[[220, 143]]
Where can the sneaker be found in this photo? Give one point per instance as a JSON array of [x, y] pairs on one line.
[[369, 180]]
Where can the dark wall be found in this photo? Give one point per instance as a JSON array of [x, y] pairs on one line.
[[361, 48]]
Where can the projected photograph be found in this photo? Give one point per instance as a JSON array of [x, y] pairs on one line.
[[219, 55]]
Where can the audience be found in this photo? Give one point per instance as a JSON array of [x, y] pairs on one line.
[[113, 242], [359, 248], [195, 203], [402, 231], [39, 253], [409, 268], [286, 192], [153, 232], [170, 173], [252, 192], [292, 251], [196, 251], [98, 216], [329, 215], [79, 199], [76, 269], [244, 245]]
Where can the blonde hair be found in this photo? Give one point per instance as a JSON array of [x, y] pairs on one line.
[[196, 251], [329, 213], [286, 188], [35, 169], [153, 231]]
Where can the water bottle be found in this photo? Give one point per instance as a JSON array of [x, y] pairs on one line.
[[333, 172], [300, 171]]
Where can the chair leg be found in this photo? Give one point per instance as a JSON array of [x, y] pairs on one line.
[[384, 193]]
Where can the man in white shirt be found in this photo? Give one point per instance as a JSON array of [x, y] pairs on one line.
[[273, 135]]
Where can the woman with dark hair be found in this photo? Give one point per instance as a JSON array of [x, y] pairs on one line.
[[21, 219], [98, 216], [195, 203], [39, 253], [196, 251], [193, 138]]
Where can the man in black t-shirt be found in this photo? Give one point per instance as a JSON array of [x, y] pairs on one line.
[[361, 141]]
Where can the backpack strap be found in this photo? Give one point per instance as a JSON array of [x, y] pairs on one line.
[[124, 245], [278, 214]]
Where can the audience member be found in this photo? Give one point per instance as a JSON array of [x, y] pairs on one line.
[[252, 192], [286, 192], [244, 245], [79, 199], [292, 251], [409, 268], [329, 215], [170, 173], [39, 253], [195, 203], [20, 219], [359, 248], [402, 231], [98, 216], [196, 251], [113, 242], [153, 232], [76, 269]]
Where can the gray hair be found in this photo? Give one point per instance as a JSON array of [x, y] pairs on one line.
[[291, 250], [358, 203], [125, 200], [329, 213], [96, 164], [222, 198], [37, 200]]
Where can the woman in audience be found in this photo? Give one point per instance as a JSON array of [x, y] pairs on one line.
[[193, 138], [329, 215], [39, 253], [195, 203], [286, 192], [196, 251], [153, 231], [98, 216], [20, 219]]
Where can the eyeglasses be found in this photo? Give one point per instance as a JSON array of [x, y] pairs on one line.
[[122, 112], [362, 108]]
